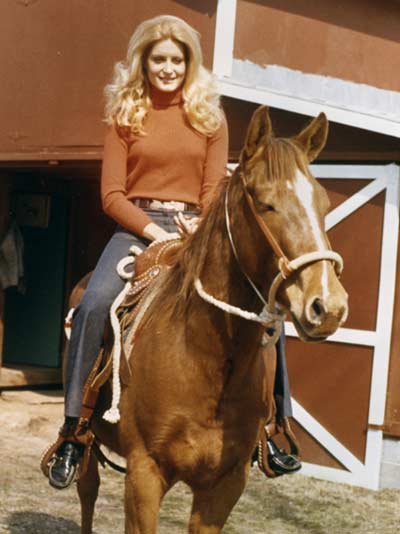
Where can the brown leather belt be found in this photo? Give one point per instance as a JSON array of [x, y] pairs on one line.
[[171, 205]]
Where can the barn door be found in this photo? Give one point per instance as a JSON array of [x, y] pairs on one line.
[[339, 387], [33, 319]]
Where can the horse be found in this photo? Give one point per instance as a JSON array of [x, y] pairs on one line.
[[198, 395]]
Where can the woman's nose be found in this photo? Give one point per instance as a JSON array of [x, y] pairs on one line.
[[167, 66]]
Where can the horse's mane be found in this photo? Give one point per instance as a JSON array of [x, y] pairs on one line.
[[282, 157], [190, 260]]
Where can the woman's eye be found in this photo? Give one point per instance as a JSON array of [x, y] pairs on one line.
[[177, 60]]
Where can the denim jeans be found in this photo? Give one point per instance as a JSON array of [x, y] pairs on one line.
[[91, 314]]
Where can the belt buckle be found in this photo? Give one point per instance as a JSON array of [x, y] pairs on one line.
[[155, 205], [170, 205], [175, 205]]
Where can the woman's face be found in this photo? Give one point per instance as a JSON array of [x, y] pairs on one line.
[[166, 65]]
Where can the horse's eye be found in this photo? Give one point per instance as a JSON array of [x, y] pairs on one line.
[[266, 207]]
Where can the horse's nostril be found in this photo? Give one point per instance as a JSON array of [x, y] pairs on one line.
[[317, 307], [315, 311]]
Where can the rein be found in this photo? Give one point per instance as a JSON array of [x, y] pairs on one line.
[[269, 315]]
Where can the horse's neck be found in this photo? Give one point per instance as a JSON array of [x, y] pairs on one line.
[[223, 278], [224, 273]]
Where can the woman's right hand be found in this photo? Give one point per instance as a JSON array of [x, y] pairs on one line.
[[155, 233], [186, 225]]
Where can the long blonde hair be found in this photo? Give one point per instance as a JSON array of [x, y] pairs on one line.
[[127, 96]]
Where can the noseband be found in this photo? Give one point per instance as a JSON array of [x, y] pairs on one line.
[[269, 316]]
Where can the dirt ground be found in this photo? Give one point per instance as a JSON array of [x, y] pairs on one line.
[[290, 505]]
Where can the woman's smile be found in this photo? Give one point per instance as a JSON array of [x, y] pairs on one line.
[[166, 65]]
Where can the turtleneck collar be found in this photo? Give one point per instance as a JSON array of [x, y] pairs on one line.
[[165, 99]]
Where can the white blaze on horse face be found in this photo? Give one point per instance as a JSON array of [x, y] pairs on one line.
[[304, 192]]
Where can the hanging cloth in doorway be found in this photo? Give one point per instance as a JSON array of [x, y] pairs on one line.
[[11, 258]]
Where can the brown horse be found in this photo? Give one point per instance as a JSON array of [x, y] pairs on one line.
[[198, 397]]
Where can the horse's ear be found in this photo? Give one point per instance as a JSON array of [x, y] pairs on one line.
[[258, 133], [313, 138]]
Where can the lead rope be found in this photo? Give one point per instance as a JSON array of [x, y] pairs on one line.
[[265, 318], [112, 415]]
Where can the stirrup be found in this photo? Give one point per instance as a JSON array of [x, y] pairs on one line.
[[271, 460], [279, 461], [82, 436], [75, 455]]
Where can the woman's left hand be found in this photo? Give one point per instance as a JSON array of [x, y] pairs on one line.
[[186, 225]]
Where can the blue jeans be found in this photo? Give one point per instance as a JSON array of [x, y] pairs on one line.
[[91, 314]]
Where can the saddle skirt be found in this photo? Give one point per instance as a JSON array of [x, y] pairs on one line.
[[151, 267]]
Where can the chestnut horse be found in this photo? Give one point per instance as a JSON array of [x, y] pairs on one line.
[[198, 398]]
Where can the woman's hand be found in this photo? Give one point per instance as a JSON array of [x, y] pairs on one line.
[[155, 233], [186, 225]]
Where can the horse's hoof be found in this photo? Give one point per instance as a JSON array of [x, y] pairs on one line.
[[62, 467]]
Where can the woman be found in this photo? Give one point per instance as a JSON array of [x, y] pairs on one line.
[[165, 151]]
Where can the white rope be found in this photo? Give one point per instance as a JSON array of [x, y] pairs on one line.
[[266, 318], [112, 415], [301, 261], [319, 255]]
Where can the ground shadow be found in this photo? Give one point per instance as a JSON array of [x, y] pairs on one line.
[[39, 523]]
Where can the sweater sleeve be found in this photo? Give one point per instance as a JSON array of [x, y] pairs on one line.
[[113, 185], [215, 164]]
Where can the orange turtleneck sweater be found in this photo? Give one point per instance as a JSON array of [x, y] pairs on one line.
[[173, 161]]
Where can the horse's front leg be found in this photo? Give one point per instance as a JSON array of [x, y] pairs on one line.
[[88, 489], [145, 487], [211, 508]]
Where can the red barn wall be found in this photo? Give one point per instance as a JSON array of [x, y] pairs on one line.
[[56, 58], [343, 39]]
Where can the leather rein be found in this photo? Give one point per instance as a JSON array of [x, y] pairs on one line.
[[269, 316]]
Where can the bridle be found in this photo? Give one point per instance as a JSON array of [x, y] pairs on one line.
[[270, 317]]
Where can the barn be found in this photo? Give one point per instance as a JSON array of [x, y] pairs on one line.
[[299, 58]]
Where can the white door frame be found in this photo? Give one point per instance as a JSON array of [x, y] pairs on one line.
[[223, 68], [362, 474]]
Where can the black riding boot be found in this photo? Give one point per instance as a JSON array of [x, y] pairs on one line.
[[63, 468], [280, 461]]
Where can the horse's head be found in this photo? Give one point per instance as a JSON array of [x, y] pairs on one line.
[[288, 201]]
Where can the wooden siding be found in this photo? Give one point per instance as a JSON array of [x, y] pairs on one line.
[[56, 58], [344, 40]]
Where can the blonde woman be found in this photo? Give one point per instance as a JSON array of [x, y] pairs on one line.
[[165, 151]]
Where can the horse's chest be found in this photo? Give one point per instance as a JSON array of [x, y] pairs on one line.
[[202, 454]]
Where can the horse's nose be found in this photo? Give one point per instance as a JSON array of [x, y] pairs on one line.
[[319, 309]]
